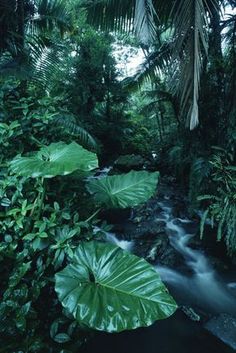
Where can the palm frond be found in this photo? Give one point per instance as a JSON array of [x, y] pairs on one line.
[[68, 122], [229, 25], [138, 16], [46, 60], [111, 15], [145, 21], [190, 45], [49, 14], [154, 64]]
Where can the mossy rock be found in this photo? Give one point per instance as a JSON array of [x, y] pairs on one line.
[[130, 162]]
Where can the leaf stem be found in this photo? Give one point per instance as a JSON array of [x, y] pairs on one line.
[[93, 215]]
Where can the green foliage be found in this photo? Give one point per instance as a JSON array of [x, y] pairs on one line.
[[199, 173], [35, 242], [125, 190], [103, 279], [55, 159], [69, 123], [30, 51], [41, 230], [64, 87], [94, 73], [221, 206]]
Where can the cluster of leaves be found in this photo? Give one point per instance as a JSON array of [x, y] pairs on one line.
[[35, 241], [37, 235], [221, 204], [44, 229]]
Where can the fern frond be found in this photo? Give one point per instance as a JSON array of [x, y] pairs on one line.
[[202, 223], [154, 64], [84, 137], [50, 14]]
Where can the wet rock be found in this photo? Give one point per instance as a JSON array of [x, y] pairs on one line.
[[170, 258], [129, 162], [152, 248], [116, 216], [147, 230], [223, 327], [190, 312]]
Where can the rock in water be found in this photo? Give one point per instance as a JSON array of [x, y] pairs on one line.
[[191, 313], [223, 327]]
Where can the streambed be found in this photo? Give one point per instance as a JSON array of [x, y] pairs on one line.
[[206, 320]]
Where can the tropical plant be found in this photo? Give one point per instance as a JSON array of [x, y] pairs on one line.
[[125, 190], [53, 160], [27, 48], [53, 236], [102, 278], [221, 206], [189, 28]]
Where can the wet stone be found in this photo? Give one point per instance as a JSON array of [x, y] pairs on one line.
[[223, 327]]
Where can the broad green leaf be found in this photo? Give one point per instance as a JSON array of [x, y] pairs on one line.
[[108, 289], [125, 190], [55, 159]]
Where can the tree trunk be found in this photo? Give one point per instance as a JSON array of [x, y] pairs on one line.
[[212, 109], [21, 23]]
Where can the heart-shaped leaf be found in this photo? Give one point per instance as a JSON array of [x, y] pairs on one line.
[[55, 159], [125, 190], [108, 289]]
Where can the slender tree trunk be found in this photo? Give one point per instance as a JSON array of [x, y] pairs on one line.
[[21, 40], [212, 99], [21, 23]]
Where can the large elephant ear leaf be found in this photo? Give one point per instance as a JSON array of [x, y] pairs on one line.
[[108, 289], [125, 190], [55, 159]]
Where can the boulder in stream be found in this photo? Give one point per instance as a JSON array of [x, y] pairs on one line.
[[223, 326], [129, 162]]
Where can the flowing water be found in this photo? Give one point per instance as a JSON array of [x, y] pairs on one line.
[[123, 244], [195, 285], [203, 287]]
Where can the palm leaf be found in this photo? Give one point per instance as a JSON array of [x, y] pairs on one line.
[[46, 59], [111, 290], [125, 190], [125, 15], [49, 14], [111, 15], [84, 137], [190, 22], [145, 21], [155, 63]]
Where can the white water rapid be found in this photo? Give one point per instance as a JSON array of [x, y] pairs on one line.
[[123, 244], [201, 286], [111, 238]]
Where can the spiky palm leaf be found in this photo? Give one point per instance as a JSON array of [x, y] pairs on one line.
[[190, 44], [84, 137], [125, 15], [158, 61], [37, 57], [39, 62], [50, 14]]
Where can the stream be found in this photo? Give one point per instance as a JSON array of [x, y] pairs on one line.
[[199, 291]]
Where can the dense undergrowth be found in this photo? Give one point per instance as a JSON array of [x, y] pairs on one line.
[[65, 110]]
